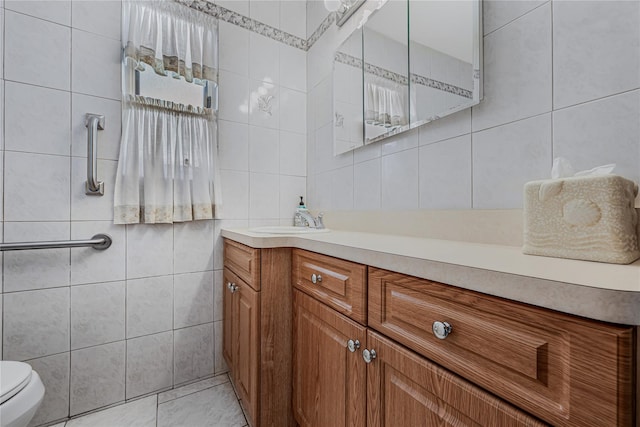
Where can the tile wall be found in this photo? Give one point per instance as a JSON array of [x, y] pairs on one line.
[[561, 78], [104, 327]]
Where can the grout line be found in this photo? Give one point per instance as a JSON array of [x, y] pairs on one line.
[[517, 17]]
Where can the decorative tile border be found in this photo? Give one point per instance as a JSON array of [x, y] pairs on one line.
[[353, 61], [322, 28], [242, 21]]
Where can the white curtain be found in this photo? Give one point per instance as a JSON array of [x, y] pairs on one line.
[[385, 103], [167, 169]]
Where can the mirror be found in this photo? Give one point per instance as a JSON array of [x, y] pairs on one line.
[[386, 67], [419, 61], [347, 94]]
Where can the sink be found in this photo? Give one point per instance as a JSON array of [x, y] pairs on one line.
[[287, 229]]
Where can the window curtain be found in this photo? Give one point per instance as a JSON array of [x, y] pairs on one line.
[[167, 171], [385, 103]]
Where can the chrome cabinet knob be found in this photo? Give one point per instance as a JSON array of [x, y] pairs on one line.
[[369, 355], [232, 287], [441, 329], [353, 345], [229, 285], [316, 278]]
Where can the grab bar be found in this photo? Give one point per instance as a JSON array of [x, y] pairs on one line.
[[99, 242], [93, 122]]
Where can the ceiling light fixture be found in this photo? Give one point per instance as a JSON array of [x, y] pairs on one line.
[[343, 9]]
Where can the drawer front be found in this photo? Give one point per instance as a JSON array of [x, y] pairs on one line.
[[339, 284], [405, 389], [243, 261], [566, 370]]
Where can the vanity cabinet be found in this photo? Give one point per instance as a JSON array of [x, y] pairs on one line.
[[257, 320]]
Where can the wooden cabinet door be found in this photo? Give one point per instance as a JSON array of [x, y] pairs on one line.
[[329, 381], [229, 310], [405, 389], [246, 323]]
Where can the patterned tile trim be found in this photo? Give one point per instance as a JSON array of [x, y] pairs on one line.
[[322, 28], [399, 78], [242, 21]]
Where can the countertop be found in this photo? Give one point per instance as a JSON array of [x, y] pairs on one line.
[[600, 291]]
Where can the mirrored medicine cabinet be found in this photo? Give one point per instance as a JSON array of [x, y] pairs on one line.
[[410, 63]]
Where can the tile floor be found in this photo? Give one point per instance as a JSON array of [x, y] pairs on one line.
[[208, 403]]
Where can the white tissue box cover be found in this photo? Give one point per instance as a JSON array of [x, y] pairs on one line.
[[590, 218]]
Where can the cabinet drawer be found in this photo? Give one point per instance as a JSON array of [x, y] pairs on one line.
[[339, 284], [566, 370], [243, 261], [406, 389]]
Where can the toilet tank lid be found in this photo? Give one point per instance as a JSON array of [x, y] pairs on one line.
[[14, 376]]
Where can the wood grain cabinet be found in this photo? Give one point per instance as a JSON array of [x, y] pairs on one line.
[[257, 320]]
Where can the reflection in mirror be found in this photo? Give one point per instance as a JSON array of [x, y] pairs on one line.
[[347, 95], [444, 57], [386, 67]]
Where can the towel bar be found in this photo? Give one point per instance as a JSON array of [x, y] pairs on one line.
[[99, 242]]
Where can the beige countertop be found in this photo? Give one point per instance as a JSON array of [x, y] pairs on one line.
[[600, 291]]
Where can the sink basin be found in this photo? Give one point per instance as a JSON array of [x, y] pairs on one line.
[[287, 229]]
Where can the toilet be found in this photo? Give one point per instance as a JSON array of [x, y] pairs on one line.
[[21, 393]]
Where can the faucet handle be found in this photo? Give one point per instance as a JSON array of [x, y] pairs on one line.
[[319, 223]]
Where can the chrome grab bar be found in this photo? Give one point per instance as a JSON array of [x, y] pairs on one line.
[[99, 242], [93, 122]]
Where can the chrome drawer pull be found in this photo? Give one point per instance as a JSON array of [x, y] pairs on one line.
[[316, 278], [441, 329], [353, 345], [369, 355]]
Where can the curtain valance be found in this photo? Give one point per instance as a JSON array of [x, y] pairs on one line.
[[171, 38]]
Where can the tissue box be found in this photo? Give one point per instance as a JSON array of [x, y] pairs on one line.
[[591, 218]]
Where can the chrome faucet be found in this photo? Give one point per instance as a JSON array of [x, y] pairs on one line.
[[310, 221]]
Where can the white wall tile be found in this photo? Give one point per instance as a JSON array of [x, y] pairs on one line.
[[36, 323], [30, 43], [497, 13], [218, 251], [193, 299], [55, 11], [149, 250], [96, 64], [233, 145], [447, 127], [220, 364], [42, 196], [263, 150], [149, 364], [47, 268], [109, 138], [445, 174], [601, 132], [367, 152], [400, 180], [293, 66], [99, 17], [193, 246], [97, 377], [506, 157], [404, 141], [92, 266], [264, 57], [342, 188], [291, 188], [264, 104], [264, 196], [149, 305], [218, 291], [293, 111], [97, 314], [54, 373], [2, 127], [37, 119], [595, 49], [322, 104], [265, 11], [293, 17], [293, 154], [240, 6], [234, 97], [233, 48], [90, 207], [324, 158], [194, 353], [235, 194], [366, 185], [316, 13], [517, 81]]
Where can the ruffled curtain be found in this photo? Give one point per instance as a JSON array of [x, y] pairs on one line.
[[167, 170], [172, 38], [385, 103]]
